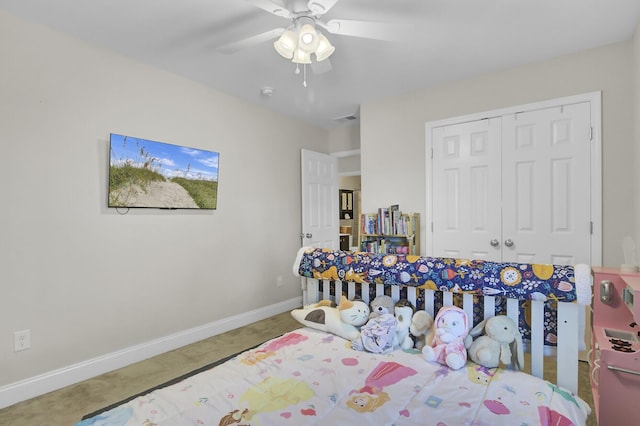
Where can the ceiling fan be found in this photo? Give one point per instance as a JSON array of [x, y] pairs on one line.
[[303, 37]]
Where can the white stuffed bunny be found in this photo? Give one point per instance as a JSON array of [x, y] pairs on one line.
[[501, 342], [448, 346]]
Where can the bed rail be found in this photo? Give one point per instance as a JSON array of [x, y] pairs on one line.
[[568, 320], [569, 327]]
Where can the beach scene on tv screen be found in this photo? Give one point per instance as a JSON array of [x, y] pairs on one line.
[[145, 173]]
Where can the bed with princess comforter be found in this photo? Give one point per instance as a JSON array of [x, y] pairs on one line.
[[309, 376]]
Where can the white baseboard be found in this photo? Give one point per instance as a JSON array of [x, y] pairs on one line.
[[56, 379]]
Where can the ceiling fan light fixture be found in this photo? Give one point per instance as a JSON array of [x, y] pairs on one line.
[[286, 44], [325, 48], [301, 57], [308, 38]]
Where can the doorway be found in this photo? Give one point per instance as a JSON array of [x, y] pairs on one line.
[[350, 225]]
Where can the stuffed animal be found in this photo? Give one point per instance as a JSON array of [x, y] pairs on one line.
[[404, 312], [342, 320], [451, 328], [382, 305], [377, 335], [501, 342], [422, 329], [385, 332]]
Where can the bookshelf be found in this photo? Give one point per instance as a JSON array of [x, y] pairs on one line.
[[390, 231]]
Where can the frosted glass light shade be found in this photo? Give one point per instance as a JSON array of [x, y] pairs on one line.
[[301, 57], [325, 49], [286, 44], [308, 40]]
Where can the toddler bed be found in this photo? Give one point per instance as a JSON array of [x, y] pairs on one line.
[[309, 376]]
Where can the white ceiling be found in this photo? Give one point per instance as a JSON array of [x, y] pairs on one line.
[[450, 40]]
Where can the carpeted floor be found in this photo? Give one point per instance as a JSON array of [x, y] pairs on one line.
[[68, 405]]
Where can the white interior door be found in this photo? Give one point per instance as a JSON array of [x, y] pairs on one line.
[[466, 196], [320, 214], [514, 188], [546, 185]]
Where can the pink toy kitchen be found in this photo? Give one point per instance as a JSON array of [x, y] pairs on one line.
[[615, 346]]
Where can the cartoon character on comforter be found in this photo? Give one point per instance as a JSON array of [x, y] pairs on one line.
[[372, 394]]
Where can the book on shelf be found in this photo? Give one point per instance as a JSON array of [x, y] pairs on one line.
[[387, 221], [395, 216], [369, 225], [383, 220], [385, 246]]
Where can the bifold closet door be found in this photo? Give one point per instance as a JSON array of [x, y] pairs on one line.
[[546, 156], [515, 187], [466, 183]]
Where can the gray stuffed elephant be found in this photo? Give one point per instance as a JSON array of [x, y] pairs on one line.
[[501, 342]]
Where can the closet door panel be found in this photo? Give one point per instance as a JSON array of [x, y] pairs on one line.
[[546, 185], [466, 195]]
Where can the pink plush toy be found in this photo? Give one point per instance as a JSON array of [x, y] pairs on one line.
[[448, 347]]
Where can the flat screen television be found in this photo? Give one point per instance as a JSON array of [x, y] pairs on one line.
[[144, 173]]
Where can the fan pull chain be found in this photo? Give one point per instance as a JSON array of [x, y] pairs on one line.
[[304, 77], [304, 73]]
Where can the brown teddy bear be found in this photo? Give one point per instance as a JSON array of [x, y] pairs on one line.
[[421, 329]]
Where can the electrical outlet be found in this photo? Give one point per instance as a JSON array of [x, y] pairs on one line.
[[279, 281], [21, 340]]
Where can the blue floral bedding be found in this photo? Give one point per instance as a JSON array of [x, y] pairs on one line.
[[521, 281]]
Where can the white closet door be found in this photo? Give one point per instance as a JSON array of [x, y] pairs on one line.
[[514, 188], [546, 185], [466, 178]]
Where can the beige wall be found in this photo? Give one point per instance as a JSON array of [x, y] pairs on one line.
[[344, 138], [88, 281], [349, 166], [349, 182], [393, 130], [345, 143]]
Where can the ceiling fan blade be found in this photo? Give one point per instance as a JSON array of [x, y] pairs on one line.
[[251, 41], [274, 7], [320, 7], [374, 30]]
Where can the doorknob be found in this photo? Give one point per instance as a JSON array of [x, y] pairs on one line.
[[303, 235], [494, 242], [508, 243]]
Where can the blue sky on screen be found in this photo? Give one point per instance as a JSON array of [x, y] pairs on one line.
[[167, 159]]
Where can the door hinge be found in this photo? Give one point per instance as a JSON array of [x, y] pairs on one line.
[[590, 133], [591, 226]]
